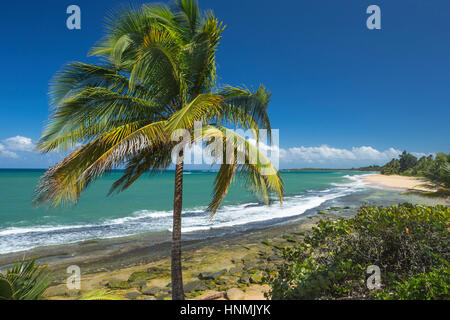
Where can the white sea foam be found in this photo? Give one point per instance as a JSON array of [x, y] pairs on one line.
[[23, 238]]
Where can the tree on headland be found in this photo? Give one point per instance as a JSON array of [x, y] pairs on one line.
[[439, 170], [407, 161], [392, 167], [158, 75]]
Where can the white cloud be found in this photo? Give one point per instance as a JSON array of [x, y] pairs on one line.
[[419, 155], [330, 157], [6, 153], [325, 153], [19, 143], [323, 156]]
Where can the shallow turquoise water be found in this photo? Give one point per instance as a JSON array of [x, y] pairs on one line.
[[146, 206]]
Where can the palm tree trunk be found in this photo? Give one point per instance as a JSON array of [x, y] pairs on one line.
[[177, 276]]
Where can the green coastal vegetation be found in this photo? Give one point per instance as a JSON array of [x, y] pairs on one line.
[[408, 243]]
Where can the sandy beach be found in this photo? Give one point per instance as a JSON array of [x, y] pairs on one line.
[[399, 182]]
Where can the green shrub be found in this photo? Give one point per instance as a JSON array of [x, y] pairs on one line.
[[402, 240], [392, 167], [432, 285], [24, 281]]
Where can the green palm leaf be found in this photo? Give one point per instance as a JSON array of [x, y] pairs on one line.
[[24, 281]]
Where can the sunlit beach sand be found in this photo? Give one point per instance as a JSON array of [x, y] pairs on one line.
[[399, 182]]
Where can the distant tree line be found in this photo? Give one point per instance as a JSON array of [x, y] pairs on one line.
[[436, 169], [369, 168]]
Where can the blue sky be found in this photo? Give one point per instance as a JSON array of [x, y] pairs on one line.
[[343, 95]]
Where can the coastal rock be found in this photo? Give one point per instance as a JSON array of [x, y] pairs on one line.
[[139, 276], [262, 254], [133, 295], [279, 246], [250, 259], [244, 279], [60, 290], [273, 257], [153, 291], [252, 268], [268, 266], [211, 275], [235, 294], [139, 284], [153, 270], [165, 296], [118, 284], [158, 272], [256, 278], [235, 271], [211, 285], [197, 285]]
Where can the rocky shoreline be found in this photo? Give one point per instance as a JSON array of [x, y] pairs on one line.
[[233, 267]]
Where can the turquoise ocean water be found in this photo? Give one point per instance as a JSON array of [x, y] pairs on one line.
[[146, 206]]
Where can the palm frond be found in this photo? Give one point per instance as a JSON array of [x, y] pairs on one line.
[[204, 107], [101, 294], [152, 159], [157, 64], [200, 56], [65, 181], [27, 280], [188, 15], [249, 161], [92, 112], [244, 101]]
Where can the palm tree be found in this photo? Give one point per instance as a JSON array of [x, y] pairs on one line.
[[157, 75]]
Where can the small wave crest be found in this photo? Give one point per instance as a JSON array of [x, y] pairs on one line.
[[14, 239]]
